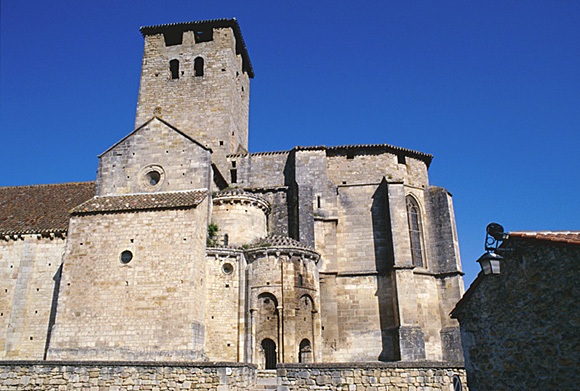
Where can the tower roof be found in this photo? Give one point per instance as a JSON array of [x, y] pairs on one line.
[[213, 23]]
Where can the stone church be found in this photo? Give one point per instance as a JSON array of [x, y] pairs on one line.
[[188, 247]]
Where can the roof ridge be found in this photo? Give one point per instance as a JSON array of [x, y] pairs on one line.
[[157, 192], [49, 184], [335, 147], [542, 232]]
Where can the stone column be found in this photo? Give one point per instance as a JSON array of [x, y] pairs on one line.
[[252, 347], [408, 334]]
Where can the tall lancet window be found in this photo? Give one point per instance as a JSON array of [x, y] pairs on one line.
[[415, 231]]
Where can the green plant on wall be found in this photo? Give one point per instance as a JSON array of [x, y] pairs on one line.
[[212, 230]]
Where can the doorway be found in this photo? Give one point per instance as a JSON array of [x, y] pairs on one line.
[[269, 347]]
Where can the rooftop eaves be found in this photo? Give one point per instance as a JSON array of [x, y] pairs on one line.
[[426, 157]]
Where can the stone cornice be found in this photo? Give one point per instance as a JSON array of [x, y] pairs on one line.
[[243, 199], [254, 253]]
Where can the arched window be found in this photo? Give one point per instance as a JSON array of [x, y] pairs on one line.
[[457, 383], [198, 66], [305, 353], [226, 239], [415, 231], [174, 68]]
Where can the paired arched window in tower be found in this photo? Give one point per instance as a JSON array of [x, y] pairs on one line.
[[198, 66], [174, 68], [415, 231]]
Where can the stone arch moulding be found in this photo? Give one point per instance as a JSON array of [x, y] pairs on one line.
[[307, 299]]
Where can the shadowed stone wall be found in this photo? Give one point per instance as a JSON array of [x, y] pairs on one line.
[[29, 276], [520, 328]]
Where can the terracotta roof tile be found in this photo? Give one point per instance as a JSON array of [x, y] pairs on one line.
[[40, 208], [572, 237], [279, 241], [120, 203]]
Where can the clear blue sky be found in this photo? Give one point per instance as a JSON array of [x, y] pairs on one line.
[[490, 88]]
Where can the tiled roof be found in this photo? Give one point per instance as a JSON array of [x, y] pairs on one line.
[[213, 23], [120, 203], [40, 208], [232, 192], [279, 241], [572, 237], [258, 153]]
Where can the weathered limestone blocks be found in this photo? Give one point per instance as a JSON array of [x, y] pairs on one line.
[[424, 376], [241, 217], [29, 275], [101, 376]]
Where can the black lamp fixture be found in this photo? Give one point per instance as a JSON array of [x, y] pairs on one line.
[[490, 261]]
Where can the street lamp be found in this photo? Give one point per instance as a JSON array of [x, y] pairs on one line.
[[490, 263]]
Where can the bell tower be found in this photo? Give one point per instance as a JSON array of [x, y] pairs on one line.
[[196, 76]]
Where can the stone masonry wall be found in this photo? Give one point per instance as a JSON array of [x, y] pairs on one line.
[[368, 167], [151, 308], [116, 376], [185, 164], [520, 328], [357, 311], [425, 376], [429, 316], [29, 275], [440, 224], [362, 231], [278, 216], [225, 309], [265, 169], [242, 222]]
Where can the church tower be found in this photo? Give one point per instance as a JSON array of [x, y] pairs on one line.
[[196, 76]]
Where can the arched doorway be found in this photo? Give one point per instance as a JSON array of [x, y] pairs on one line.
[[305, 353], [269, 353]]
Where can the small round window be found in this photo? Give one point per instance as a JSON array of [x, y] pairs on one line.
[[126, 256], [227, 268], [151, 177]]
